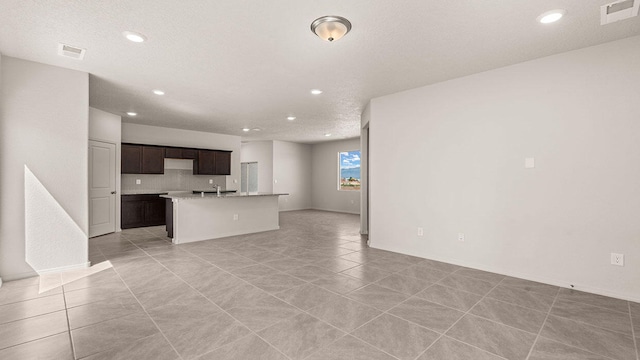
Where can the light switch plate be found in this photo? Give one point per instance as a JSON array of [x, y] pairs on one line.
[[529, 163]]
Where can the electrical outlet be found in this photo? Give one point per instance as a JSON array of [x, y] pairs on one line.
[[617, 259], [235, 181], [420, 231], [210, 181], [235, 216], [138, 182], [460, 236]]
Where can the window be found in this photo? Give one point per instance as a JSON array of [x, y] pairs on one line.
[[349, 170]]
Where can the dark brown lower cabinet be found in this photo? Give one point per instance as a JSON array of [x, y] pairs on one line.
[[142, 210], [169, 215]]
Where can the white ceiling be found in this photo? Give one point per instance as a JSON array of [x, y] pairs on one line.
[[225, 65]]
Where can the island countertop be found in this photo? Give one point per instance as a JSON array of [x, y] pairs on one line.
[[190, 195]]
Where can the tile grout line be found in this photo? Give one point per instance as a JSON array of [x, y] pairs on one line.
[[411, 296], [633, 332], [468, 312], [145, 310], [221, 309], [302, 310], [66, 312], [543, 324]]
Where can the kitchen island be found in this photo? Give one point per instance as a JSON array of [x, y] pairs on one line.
[[196, 217]]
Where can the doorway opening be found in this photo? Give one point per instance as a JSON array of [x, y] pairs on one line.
[[249, 177]]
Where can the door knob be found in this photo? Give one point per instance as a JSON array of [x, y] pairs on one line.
[[113, 192]]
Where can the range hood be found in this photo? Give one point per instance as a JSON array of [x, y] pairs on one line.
[[178, 164]]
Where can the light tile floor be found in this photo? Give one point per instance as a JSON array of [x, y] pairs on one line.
[[311, 290]]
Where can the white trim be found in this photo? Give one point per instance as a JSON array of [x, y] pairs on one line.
[[544, 280], [64, 268], [336, 211], [286, 210], [0, 282]]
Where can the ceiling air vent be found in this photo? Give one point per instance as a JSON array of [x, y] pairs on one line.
[[71, 51], [618, 10]]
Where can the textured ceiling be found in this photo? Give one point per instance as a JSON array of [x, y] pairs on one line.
[[225, 65]]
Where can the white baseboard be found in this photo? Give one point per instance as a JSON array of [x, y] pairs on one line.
[[0, 282], [65, 268], [337, 211], [530, 277]]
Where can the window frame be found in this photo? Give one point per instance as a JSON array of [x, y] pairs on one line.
[[340, 169]]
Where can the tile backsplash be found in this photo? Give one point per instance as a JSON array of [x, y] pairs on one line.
[[171, 180]]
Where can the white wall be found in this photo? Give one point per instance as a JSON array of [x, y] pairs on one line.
[[324, 190], [292, 174], [262, 152], [450, 158], [154, 135], [107, 127], [365, 117], [44, 125]]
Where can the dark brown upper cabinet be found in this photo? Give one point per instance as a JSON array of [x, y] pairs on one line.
[[206, 163], [223, 163], [152, 160], [212, 162], [142, 159], [180, 153], [131, 159], [173, 153], [149, 159], [189, 154]]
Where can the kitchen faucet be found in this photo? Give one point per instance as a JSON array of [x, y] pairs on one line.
[[217, 187]]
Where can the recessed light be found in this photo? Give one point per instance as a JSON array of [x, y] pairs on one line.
[[316, 91], [327, 134], [551, 16], [245, 129], [158, 92], [134, 36], [291, 118], [131, 113]]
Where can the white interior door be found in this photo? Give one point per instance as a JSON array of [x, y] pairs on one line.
[[102, 188]]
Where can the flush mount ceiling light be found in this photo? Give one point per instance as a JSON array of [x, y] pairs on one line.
[[245, 129], [551, 16], [330, 28], [256, 129], [131, 113], [327, 134], [316, 91], [158, 92], [134, 36], [291, 118]]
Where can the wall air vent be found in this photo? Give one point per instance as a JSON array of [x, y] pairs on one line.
[[71, 51], [619, 10]]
